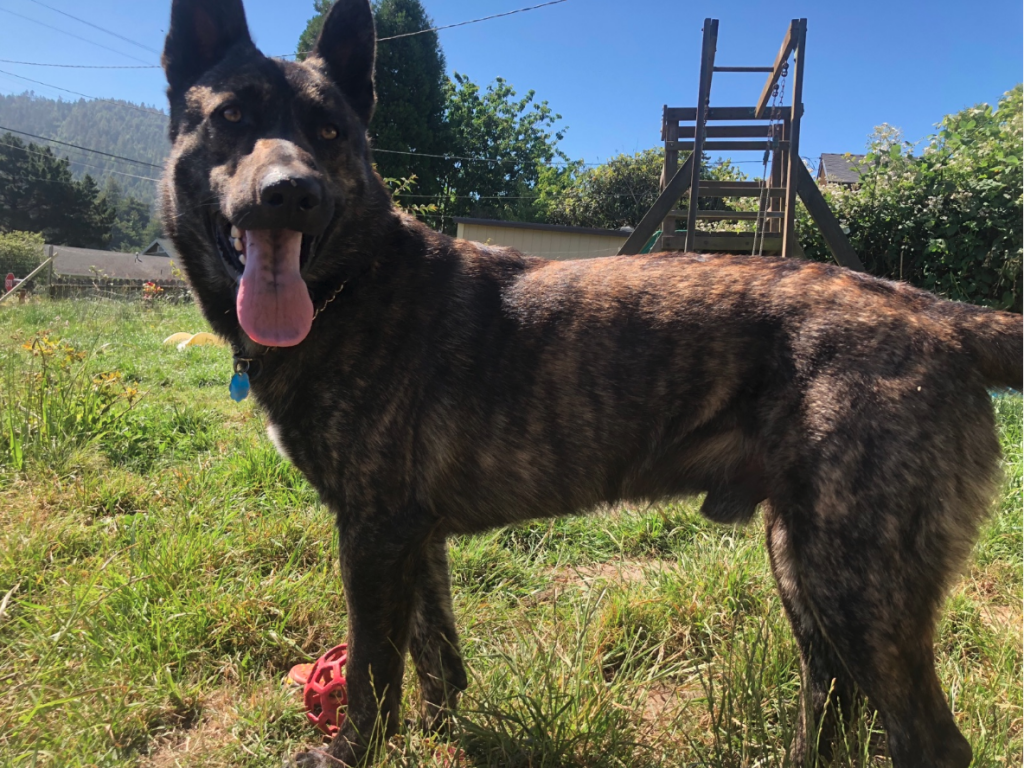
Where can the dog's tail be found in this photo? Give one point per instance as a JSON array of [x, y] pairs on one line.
[[995, 341]]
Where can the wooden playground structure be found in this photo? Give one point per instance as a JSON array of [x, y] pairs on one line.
[[767, 126]]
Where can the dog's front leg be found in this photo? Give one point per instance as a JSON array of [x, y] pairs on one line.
[[379, 565], [435, 641]]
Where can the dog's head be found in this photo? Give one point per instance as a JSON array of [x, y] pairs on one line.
[[269, 166]]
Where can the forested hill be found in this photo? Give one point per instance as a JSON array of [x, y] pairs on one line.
[[117, 127]]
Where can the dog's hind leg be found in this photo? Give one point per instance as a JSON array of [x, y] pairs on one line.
[[435, 641], [828, 694], [874, 605]]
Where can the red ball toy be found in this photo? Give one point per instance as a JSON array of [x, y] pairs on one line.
[[324, 694]]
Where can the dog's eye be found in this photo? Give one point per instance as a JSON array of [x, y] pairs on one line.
[[231, 114], [329, 132]]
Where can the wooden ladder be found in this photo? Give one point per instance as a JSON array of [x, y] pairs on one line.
[[773, 129]]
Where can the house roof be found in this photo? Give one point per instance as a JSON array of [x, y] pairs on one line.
[[544, 227], [161, 247], [840, 169], [89, 262]]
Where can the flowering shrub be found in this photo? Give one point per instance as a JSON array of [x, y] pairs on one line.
[[150, 290], [948, 220], [55, 403]]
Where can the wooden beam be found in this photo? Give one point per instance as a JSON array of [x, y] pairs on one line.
[[707, 65], [24, 281], [670, 133], [726, 113], [737, 189], [674, 189], [799, 34], [721, 146], [743, 69], [788, 44], [728, 131], [723, 242], [822, 215], [734, 215]]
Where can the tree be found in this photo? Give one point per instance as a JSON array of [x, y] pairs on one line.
[[947, 220], [618, 193], [312, 31], [410, 84], [20, 252], [131, 229], [613, 195], [39, 194], [502, 148]]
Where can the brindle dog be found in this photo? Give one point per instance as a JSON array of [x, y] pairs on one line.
[[428, 386]]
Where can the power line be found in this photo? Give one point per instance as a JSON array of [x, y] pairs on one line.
[[452, 26], [144, 110], [471, 159], [97, 26], [71, 34], [281, 56], [79, 162], [84, 149], [80, 66]]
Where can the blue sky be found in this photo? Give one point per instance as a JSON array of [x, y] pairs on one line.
[[608, 66]]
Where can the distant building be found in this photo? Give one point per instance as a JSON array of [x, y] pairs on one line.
[[87, 262], [549, 241], [840, 169], [161, 247]]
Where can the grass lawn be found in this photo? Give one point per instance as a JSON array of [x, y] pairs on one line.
[[161, 568]]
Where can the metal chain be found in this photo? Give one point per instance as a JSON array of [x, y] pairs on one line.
[[333, 296], [778, 94]]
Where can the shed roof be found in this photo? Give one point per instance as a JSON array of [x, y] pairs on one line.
[[88, 262], [840, 169], [544, 227], [162, 246]]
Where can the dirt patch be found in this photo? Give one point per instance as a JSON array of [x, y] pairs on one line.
[[196, 745], [1003, 619], [617, 571], [664, 702]]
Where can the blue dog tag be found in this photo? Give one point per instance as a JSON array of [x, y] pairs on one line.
[[239, 387]]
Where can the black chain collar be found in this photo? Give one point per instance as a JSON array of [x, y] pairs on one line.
[[251, 367]]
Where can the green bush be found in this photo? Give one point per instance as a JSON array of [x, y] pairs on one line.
[[20, 252], [948, 220]]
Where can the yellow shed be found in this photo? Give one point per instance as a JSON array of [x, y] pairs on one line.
[[549, 241]]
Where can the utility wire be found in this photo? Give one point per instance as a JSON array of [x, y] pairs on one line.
[[451, 26], [144, 110], [84, 149], [76, 161], [468, 159], [97, 26], [72, 34], [80, 66], [282, 56]]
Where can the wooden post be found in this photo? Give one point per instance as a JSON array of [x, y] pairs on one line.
[[648, 225], [24, 281], [788, 44], [707, 65], [670, 129], [798, 32], [830, 228]]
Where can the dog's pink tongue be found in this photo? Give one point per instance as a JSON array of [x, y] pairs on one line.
[[273, 303]]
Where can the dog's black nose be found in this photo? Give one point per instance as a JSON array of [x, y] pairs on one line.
[[286, 198], [291, 195]]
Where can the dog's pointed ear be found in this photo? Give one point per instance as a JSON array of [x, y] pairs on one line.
[[201, 34], [346, 49]]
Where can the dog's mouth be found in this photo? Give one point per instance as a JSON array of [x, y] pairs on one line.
[[273, 302]]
